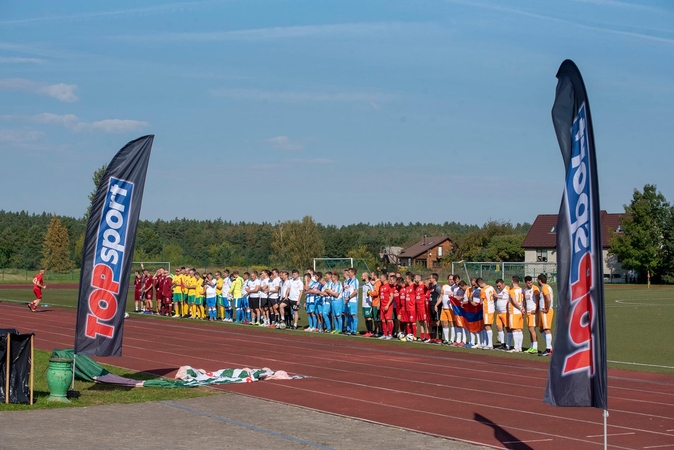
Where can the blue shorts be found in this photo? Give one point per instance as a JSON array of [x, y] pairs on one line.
[[210, 302], [327, 307], [227, 303], [245, 303], [353, 308], [311, 308], [238, 303], [337, 307]]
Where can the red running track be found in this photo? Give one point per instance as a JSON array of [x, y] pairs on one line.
[[472, 396]]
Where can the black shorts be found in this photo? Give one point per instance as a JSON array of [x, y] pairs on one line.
[[294, 305], [254, 302], [265, 302], [435, 315], [274, 301]]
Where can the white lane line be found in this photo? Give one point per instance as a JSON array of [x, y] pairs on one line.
[[660, 446], [612, 434], [524, 442], [640, 364]]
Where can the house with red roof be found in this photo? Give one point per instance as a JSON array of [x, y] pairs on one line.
[[540, 244]]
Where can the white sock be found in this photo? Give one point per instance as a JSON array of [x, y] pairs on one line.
[[445, 333], [534, 345], [464, 335], [548, 341], [519, 338], [473, 338], [501, 338], [490, 338], [453, 338], [477, 339]]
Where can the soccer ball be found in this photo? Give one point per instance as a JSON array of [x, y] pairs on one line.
[[401, 335], [409, 338], [126, 315]]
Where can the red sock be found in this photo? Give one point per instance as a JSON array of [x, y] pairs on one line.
[[414, 329], [389, 328]]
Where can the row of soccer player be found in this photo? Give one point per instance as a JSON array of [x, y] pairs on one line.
[[455, 313]]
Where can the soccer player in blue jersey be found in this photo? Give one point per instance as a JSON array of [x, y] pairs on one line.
[[337, 303], [351, 301], [327, 304], [310, 288]]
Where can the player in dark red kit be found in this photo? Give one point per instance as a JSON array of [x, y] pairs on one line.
[[421, 299], [137, 291], [167, 293], [148, 283]]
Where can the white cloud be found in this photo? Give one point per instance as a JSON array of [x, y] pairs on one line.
[[61, 91], [20, 136], [168, 8], [340, 30], [301, 96], [20, 60], [118, 125], [74, 124], [283, 143]]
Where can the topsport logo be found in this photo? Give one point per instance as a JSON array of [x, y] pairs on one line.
[[578, 192], [109, 257]]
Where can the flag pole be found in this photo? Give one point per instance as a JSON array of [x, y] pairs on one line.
[[605, 434]]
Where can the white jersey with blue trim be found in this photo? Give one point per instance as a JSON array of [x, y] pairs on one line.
[[313, 284], [367, 300], [351, 286], [337, 288]]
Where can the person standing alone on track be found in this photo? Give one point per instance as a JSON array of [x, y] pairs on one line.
[[38, 285]]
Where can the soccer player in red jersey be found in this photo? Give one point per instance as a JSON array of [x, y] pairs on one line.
[[411, 324], [137, 291], [38, 285], [421, 298], [167, 293], [386, 294]]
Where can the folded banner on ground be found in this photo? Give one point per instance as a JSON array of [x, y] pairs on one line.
[[86, 369], [108, 251], [577, 374], [467, 316]]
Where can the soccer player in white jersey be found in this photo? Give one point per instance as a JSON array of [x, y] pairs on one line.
[[446, 317], [254, 298], [295, 296], [274, 297], [366, 301], [245, 300], [327, 301], [283, 299], [475, 299], [502, 299], [264, 298], [227, 296], [531, 294], [545, 312]]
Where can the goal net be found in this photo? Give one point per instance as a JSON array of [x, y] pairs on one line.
[[339, 264], [492, 271]]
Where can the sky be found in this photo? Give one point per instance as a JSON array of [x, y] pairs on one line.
[[348, 111]]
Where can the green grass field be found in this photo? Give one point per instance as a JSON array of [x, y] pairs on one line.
[[92, 394], [638, 321]]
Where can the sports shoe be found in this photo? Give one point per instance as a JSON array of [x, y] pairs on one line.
[[547, 352], [388, 338], [445, 342], [368, 334], [514, 350], [382, 337], [468, 345], [531, 350]]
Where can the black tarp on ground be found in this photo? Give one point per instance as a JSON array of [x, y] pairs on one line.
[[19, 368]]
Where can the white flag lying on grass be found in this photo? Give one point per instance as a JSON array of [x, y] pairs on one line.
[[192, 377]]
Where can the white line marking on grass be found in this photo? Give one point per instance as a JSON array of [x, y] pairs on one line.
[[640, 364], [524, 442], [612, 434], [636, 303]]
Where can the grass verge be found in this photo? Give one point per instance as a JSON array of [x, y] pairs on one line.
[[94, 394]]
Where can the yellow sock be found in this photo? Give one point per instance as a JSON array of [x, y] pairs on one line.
[[185, 308], [201, 311], [221, 312]]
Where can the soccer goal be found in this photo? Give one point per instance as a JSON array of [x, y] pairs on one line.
[[492, 271], [330, 264]]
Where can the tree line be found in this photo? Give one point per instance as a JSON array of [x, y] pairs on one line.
[[29, 241]]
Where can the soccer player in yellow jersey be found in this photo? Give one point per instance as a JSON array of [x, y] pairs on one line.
[[177, 293], [218, 295], [184, 277], [516, 314], [191, 285], [200, 297], [545, 313], [531, 295]]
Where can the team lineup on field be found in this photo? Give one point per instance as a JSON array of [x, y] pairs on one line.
[[408, 308]]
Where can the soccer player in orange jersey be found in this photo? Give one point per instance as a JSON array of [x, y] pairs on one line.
[[516, 313], [545, 313], [531, 295]]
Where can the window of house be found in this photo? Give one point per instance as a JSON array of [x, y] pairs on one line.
[[439, 252], [541, 255]]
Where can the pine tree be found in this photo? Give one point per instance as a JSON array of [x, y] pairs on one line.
[[55, 249]]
